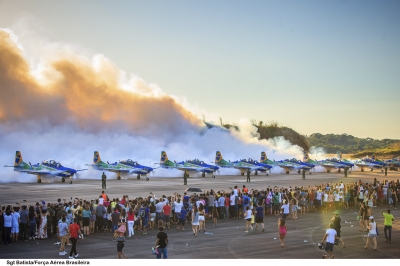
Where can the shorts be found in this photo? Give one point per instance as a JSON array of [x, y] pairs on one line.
[[284, 215], [329, 246], [195, 223], [268, 206], [15, 229], [277, 207], [153, 215], [372, 235], [249, 219], [86, 221], [145, 222], [259, 220], [181, 222], [120, 246], [201, 218], [167, 218]]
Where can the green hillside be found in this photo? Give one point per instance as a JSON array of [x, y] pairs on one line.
[[345, 143], [386, 152]]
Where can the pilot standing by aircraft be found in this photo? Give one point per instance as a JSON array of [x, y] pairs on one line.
[[345, 171], [303, 172], [103, 181], [248, 175], [385, 170], [185, 177]]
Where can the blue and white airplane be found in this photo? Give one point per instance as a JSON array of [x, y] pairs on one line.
[[209, 169], [186, 166], [45, 168], [123, 166]]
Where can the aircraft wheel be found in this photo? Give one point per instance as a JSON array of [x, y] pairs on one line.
[[267, 174], [362, 169], [287, 172], [310, 173], [382, 170], [256, 173], [213, 176], [70, 181], [63, 179], [203, 175], [118, 177], [147, 179], [338, 171], [138, 177], [242, 173], [39, 181], [298, 171], [328, 171]]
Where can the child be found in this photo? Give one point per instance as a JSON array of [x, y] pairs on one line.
[[248, 215], [282, 231]]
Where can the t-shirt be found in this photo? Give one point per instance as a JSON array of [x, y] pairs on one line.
[[388, 218], [232, 199], [248, 214], [167, 210], [285, 208], [162, 239], [178, 206], [159, 206], [23, 216], [331, 235], [183, 214], [73, 230], [260, 212], [63, 228]]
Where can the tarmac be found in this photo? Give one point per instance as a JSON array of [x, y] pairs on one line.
[[226, 240]]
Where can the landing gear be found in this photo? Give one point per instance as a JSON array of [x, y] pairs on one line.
[[267, 174], [39, 179], [328, 171], [203, 175], [287, 172], [310, 173], [242, 174], [255, 173], [382, 170], [62, 179], [338, 170], [213, 176], [372, 169], [147, 178], [362, 169], [118, 177], [138, 176], [70, 181], [298, 171]]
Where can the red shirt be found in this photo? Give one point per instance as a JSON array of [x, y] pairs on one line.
[[73, 230], [167, 210], [131, 217]]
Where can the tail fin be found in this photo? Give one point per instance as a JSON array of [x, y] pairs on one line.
[[96, 157], [305, 157], [164, 157], [18, 159], [218, 157], [263, 156]]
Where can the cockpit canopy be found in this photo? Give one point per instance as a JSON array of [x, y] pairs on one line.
[[51, 162]]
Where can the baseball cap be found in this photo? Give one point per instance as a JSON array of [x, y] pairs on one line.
[[336, 212], [371, 217]]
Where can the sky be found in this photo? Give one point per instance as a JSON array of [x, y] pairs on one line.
[[315, 66]]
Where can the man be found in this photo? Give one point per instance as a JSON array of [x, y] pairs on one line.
[[185, 177], [345, 171], [23, 225], [388, 225], [63, 235], [103, 180], [248, 175], [100, 212], [303, 172], [50, 216], [161, 243], [159, 208], [114, 220], [221, 207], [74, 232], [166, 213], [385, 170], [336, 225], [330, 237]]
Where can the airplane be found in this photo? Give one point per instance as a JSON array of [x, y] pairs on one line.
[[294, 164], [241, 165], [203, 164], [185, 166], [370, 163], [393, 164], [46, 167], [123, 166]]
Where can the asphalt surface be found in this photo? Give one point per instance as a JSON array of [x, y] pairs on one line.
[[228, 239]]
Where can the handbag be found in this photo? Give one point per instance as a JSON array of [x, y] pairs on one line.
[[120, 239]]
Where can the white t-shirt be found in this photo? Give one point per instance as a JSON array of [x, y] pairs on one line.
[[331, 235], [159, 206], [178, 206], [101, 201], [232, 199], [373, 228], [325, 197], [285, 208], [336, 196], [248, 214]]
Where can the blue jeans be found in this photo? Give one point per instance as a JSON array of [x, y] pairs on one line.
[[163, 251]]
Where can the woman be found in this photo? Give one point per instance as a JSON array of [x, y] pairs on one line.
[[32, 222], [8, 219], [109, 221], [121, 241], [247, 215], [86, 214], [152, 215], [202, 221], [363, 216], [92, 221], [131, 222], [372, 233], [215, 215], [282, 231], [123, 215], [42, 233], [195, 220]]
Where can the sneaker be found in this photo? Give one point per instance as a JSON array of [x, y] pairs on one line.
[[144, 232], [76, 255], [246, 231], [70, 257], [61, 253], [65, 253]]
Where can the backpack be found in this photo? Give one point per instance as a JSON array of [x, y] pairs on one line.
[[246, 200]]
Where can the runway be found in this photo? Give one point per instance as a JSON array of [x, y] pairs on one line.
[[228, 239]]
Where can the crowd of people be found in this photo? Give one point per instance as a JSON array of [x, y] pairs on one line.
[[127, 216]]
